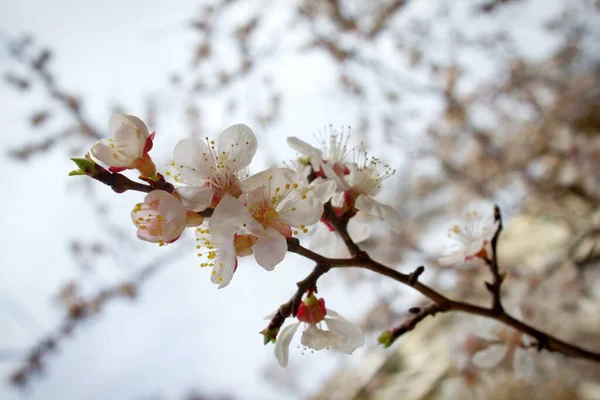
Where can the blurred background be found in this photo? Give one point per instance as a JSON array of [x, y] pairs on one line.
[[473, 102]]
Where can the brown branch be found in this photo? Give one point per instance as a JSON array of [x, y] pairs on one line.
[[497, 277], [441, 304]]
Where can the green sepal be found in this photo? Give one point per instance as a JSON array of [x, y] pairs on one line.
[[269, 335]]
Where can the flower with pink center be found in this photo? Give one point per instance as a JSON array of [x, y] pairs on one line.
[[341, 334], [279, 210], [361, 184], [333, 151], [161, 218], [129, 148], [469, 241], [209, 170]]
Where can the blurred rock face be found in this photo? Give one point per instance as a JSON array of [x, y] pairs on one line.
[[512, 388]]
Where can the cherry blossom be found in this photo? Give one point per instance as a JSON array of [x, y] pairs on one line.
[[161, 218], [360, 184], [341, 333], [129, 148], [279, 209], [209, 170], [333, 151], [469, 241]]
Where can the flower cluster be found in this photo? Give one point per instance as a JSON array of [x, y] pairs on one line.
[[235, 214]]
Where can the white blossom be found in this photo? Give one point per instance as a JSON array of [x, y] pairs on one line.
[[362, 182], [470, 240], [279, 210], [129, 146], [209, 169], [341, 333]]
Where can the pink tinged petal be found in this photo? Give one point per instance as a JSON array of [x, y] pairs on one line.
[[175, 218], [238, 142], [195, 160], [112, 157], [282, 345], [317, 339], [349, 336], [229, 216], [270, 249], [323, 189], [359, 229], [330, 173], [304, 148], [306, 212], [195, 198], [252, 182], [224, 263]]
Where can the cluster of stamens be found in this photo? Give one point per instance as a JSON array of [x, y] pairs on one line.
[[334, 144], [369, 173]]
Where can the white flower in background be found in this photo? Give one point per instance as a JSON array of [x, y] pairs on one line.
[[278, 211], [333, 151], [328, 243], [220, 243], [362, 182], [342, 334], [129, 147], [161, 218], [469, 241], [210, 170]]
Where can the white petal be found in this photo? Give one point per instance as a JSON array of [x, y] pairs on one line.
[[451, 256], [229, 215], [474, 246], [349, 336], [359, 228], [252, 182], [330, 173], [174, 216], [391, 217], [255, 228], [109, 156], [304, 148], [129, 132], [194, 159], [195, 198], [120, 119], [317, 339], [323, 189], [224, 263], [328, 243], [368, 205], [270, 249], [306, 212], [282, 344], [238, 142], [490, 228]]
